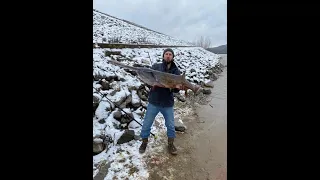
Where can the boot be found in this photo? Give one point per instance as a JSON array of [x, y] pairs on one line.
[[143, 146], [171, 147]]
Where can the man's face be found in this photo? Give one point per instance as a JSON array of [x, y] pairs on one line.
[[168, 56]]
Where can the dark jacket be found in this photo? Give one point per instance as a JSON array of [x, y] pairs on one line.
[[163, 96]]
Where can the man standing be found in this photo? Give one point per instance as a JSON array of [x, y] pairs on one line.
[[161, 100]]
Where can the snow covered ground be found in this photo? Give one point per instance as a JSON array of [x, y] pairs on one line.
[[107, 28], [125, 89]]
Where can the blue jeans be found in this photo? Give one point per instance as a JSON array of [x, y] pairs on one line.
[[151, 113]]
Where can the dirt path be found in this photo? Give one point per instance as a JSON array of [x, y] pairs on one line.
[[203, 147]]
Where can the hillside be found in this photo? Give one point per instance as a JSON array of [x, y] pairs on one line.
[[219, 49], [109, 29], [115, 136]]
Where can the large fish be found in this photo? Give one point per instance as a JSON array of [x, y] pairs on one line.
[[161, 79]]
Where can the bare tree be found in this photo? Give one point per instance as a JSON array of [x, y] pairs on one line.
[[203, 42]]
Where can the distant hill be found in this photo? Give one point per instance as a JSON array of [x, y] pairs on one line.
[[219, 50], [110, 29]]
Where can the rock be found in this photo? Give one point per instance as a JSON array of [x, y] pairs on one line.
[[133, 125], [105, 85], [102, 121], [126, 102], [116, 126], [116, 78], [97, 140], [127, 136], [142, 93], [192, 70], [132, 87], [214, 76], [145, 62], [209, 72], [122, 79], [147, 89], [95, 105], [109, 53], [179, 126], [103, 110], [142, 97], [209, 84], [98, 147], [103, 171], [128, 114], [217, 69], [96, 98], [117, 115], [206, 91], [113, 92], [123, 126], [107, 140], [99, 75], [120, 100], [135, 100], [179, 97], [124, 120], [136, 137], [111, 77], [140, 111]]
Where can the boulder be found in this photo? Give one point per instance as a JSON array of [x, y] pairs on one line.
[[127, 136], [209, 84], [179, 126], [135, 101], [98, 145], [179, 97], [104, 84], [206, 91], [117, 115], [126, 102]]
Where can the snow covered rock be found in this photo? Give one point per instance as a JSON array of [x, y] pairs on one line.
[[133, 125], [104, 84], [127, 136], [179, 126], [179, 97], [143, 95], [103, 110], [118, 98], [98, 147], [117, 115], [126, 102], [136, 102], [209, 84]]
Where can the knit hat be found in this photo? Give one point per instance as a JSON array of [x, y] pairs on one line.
[[170, 50]]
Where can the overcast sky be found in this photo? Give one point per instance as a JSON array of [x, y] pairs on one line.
[[182, 19]]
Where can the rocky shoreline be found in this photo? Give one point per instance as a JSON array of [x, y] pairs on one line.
[[119, 97]]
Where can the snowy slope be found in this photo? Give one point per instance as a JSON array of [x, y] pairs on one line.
[[121, 86], [107, 28], [112, 83]]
